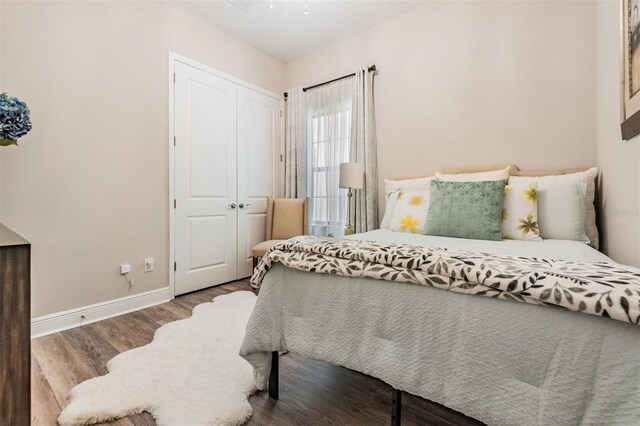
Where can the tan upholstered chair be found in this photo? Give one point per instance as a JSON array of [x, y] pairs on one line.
[[286, 218]]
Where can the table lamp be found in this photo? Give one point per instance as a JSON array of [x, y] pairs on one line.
[[351, 177]]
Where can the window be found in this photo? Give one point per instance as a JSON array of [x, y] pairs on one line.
[[328, 145], [330, 136]]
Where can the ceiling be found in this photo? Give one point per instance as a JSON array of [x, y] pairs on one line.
[[285, 31]]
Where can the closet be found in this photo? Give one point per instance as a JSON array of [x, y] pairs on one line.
[[226, 163]]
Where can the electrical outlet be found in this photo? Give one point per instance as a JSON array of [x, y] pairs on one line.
[[125, 269], [148, 264]]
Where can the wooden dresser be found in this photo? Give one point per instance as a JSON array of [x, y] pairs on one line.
[[15, 329]]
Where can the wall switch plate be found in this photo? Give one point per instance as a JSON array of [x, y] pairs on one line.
[[148, 264], [124, 269]]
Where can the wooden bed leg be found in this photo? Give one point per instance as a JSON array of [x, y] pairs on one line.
[[273, 376], [396, 407]]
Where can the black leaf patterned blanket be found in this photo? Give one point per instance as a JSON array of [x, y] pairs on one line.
[[603, 289]]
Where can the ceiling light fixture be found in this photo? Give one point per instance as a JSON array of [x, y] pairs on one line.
[[245, 5], [271, 4], [306, 9]]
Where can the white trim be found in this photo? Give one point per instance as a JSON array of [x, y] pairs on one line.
[[173, 58], [281, 149], [53, 323], [172, 189], [176, 57]]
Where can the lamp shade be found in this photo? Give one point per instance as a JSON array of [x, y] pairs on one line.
[[351, 175]]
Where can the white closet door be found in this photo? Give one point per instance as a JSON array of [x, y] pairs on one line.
[[258, 158], [205, 179]]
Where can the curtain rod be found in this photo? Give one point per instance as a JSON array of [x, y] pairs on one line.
[[372, 68]]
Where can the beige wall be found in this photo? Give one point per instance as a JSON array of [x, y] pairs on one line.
[[469, 83], [89, 185], [619, 160], [460, 83]]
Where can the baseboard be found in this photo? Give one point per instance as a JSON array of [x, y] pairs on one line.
[[48, 324]]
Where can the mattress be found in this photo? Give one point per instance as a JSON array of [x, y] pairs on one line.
[[501, 362], [546, 249]]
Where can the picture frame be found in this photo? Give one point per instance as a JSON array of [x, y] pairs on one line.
[[630, 68]]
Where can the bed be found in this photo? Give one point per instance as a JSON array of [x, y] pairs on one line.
[[498, 361], [355, 303]]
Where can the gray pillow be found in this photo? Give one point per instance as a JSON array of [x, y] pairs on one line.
[[466, 209]]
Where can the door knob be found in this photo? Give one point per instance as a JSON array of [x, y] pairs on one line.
[[242, 206], [232, 205]]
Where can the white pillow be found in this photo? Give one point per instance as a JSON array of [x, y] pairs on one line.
[[419, 184], [475, 177], [411, 211], [391, 189], [561, 209], [548, 182], [520, 213]]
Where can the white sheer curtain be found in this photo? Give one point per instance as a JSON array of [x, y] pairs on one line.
[[295, 155], [328, 144]]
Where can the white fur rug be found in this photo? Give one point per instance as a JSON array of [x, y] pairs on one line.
[[190, 374]]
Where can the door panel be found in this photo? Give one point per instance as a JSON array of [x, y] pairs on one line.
[[258, 157], [207, 141], [203, 249], [205, 179]]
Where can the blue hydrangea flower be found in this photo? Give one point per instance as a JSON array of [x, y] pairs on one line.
[[14, 120]]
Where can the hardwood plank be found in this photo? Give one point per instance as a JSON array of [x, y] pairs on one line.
[[311, 392], [166, 313], [97, 351], [127, 331], [143, 419], [120, 422], [61, 364], [45, 407]]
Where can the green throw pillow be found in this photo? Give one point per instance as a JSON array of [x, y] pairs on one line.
[[466, 209]]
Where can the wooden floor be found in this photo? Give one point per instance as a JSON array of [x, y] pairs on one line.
[[311, 392]]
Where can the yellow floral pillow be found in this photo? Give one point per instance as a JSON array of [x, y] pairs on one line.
[[520, 212], [410, 212]]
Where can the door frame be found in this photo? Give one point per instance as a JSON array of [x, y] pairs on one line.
[[278, 181]]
